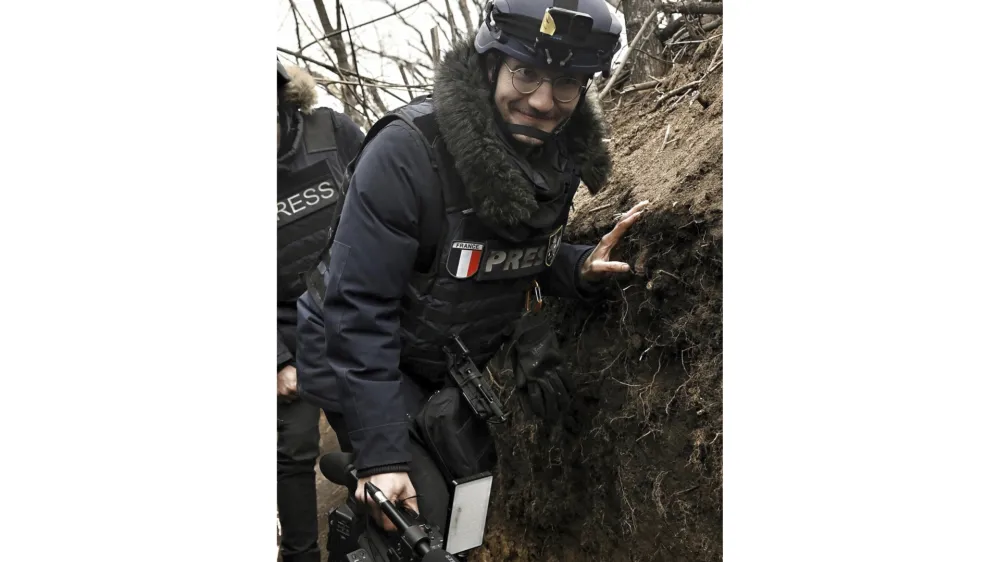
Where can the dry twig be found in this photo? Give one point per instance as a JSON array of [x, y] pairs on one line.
[[337, 32], [658, 82], [435, 46], [625, 57], [666, 135], [698, 8]]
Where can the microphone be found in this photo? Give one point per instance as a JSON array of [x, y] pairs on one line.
[[338, 468]]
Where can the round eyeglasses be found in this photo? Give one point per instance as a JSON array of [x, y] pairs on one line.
[[527, 79]]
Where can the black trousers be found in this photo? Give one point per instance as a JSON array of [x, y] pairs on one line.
[[433, 496], [298, 447]]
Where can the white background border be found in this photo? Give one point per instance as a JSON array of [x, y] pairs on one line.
[[860, 303]]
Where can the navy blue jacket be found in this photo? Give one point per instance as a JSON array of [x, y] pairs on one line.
[[391, 220], [348, 138]]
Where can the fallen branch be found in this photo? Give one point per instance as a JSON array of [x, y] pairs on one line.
[[676, 25], [698, 8], [654, 57], [710, 63], [654, 83], [628, 53], [709, 71], [659, 103]]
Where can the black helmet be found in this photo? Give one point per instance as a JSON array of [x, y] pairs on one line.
[[578, 36], [283, 77]]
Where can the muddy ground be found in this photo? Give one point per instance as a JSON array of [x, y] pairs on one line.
[[635, 472]]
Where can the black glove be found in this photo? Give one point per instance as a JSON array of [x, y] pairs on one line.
[[539, 375]]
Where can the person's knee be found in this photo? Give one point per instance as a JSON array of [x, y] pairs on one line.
[[299, 446]]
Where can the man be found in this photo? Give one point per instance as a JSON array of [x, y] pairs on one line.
[[314, 147], [454, 214]]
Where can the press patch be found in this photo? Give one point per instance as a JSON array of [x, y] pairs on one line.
[[464, 259], [306, 192]]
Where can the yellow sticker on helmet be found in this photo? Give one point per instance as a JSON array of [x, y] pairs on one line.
[[548, 24]]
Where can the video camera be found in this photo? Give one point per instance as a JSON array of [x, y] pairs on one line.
[[352, 539]]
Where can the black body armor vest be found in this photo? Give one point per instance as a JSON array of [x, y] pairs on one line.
[[477, 282], [308, 198]]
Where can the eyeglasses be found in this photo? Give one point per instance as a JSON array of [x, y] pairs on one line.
[[526, 80]]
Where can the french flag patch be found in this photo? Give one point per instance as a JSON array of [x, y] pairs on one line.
[[463, 259]]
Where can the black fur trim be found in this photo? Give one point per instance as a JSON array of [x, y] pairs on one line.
[[497, 188]]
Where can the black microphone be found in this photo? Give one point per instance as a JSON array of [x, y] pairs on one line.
[[339, 468]]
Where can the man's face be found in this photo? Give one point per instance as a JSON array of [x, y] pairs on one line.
[[540, 109]]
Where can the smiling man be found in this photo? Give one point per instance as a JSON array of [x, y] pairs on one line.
[[521, 100], [454, 216]]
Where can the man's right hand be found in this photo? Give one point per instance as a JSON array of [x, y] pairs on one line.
[[288, 384], [395, 486]]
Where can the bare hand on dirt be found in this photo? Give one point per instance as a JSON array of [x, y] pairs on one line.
[[288, 385], [396, 486], [598, 263]]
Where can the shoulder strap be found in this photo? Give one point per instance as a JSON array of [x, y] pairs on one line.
[[413, 115], [317, 136]]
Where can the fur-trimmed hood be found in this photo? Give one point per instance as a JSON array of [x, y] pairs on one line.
[[497, 188], [300, 91], [298, 95]]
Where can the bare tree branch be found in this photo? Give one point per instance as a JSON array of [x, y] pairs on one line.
[[344, 94], [351, 96], [443, 19], [354, 58], [298, 37], [435, 56], [463, 7], [305, 23], [625, 57], [373, 92], [455, 33], [380, 85], [395, 59], [415, 70], [334, 33], [341, 71], [402, 72], [407, 23]]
